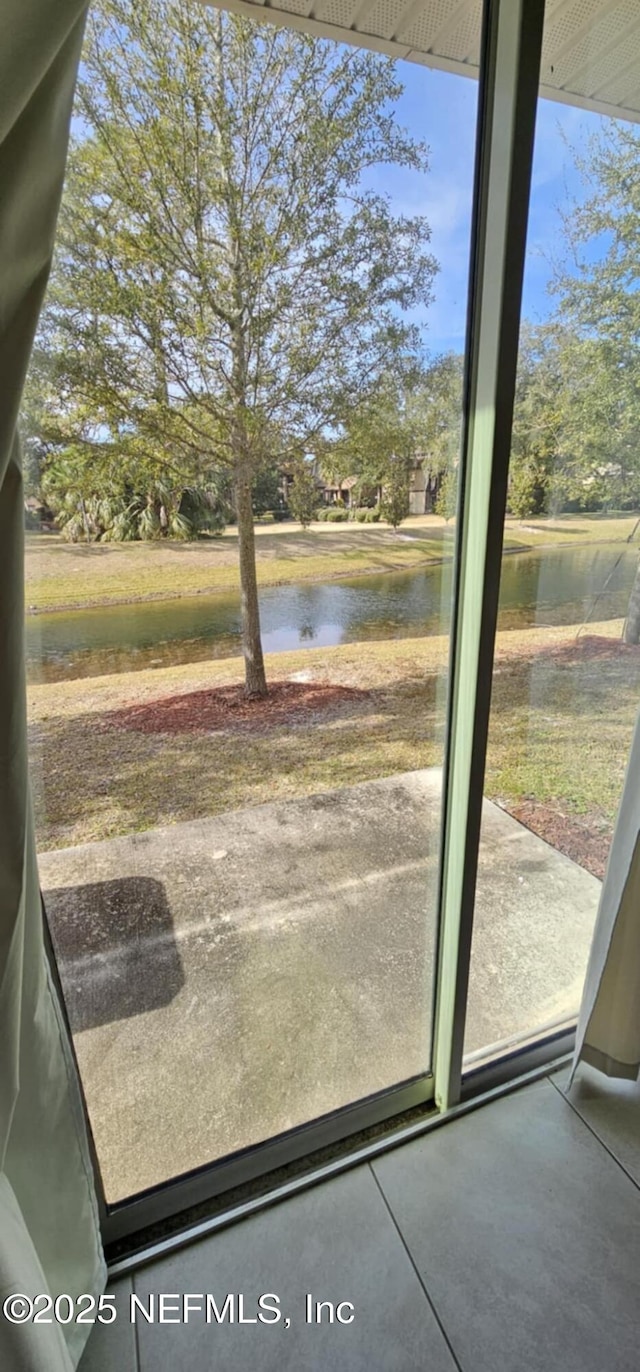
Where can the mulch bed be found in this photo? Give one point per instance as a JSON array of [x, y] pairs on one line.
[[289, 703], [226, 707], [586, 843], [589, 646], [586, 648]]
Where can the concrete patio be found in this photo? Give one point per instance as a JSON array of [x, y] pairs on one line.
[[230, 978]]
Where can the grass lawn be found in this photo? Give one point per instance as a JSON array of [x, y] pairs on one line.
[[64, 575], [562, 722]]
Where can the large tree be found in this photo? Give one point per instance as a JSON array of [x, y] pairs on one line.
[[378, 445], [599, 301], [537, 474], [228, 286], [576, 438], [440, 405], [414, 417]]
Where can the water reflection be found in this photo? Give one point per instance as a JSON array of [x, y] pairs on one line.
[[553, 586]]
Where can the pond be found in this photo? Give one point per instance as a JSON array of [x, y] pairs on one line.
[[549, 586]]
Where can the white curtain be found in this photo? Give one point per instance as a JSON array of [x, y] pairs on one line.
[[609, 1025], [49, 1231]]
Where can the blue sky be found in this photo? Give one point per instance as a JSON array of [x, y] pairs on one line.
[[441, 108]]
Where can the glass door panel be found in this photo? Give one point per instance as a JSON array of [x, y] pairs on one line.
[[242, 891], [567, 663]]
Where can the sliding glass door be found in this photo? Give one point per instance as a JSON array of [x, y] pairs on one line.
[[566, 677], [333, 607], [250, 364]]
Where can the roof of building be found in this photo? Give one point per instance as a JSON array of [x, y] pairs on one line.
[[590, 53]]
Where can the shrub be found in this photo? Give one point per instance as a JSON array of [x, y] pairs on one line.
[[337, 515], [265, 494], [395, 504], [446, 499], [527, 494], [303, 493]]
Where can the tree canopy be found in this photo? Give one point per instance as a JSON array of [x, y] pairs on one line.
[[227, 285], [412, 419], [576, 435]]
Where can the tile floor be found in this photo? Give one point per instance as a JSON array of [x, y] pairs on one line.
[[506, 1241]]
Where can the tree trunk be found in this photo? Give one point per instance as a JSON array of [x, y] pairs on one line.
[[85, 521], [254, 673], [631, 633]]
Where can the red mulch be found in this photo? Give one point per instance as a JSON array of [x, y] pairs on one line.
[[586, 843], [227, 707], [584, 648], [586, 840]]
